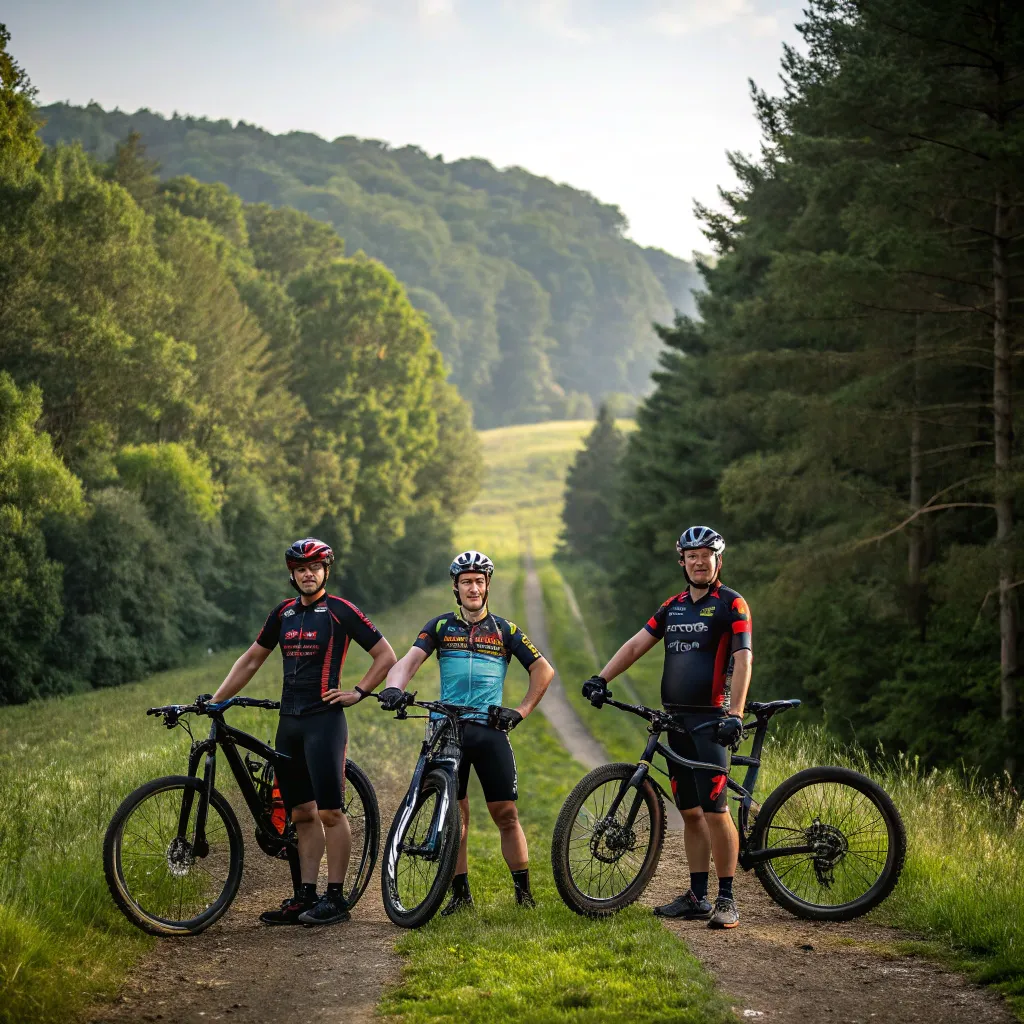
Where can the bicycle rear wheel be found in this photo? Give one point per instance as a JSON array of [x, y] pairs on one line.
[[162, 879], [600, 866], [418, 865], [360, 807], [859, 840]]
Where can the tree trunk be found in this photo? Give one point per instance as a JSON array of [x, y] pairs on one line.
[[1003, 415], [915, 537]]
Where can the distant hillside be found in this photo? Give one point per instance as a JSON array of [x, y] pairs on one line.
[[536, 297]]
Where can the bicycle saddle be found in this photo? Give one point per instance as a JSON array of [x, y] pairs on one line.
[[765, 709]]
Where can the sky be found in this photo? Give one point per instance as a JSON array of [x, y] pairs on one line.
[[635, 101]]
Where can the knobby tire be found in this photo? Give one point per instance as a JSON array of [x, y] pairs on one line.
[[561, 842]]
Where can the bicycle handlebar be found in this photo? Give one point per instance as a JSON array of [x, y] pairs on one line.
[[202, 705], [453, 711]]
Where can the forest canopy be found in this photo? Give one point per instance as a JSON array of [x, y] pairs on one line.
[[539, 304], [187, 383], [845, 411]]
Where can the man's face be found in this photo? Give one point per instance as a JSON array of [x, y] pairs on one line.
[[472, 590], [309, 578], [700, 566]]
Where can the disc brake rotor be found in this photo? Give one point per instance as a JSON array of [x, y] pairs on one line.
[[611, 841], [180, 857]]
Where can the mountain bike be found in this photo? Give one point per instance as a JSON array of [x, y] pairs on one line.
[[423, 842], [827, 844], [173, 851]]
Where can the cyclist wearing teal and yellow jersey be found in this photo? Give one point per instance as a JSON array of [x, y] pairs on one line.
[[474, 648]]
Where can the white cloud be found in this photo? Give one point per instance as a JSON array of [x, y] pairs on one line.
[[339, 15], [583, 20], [553, 16], [683, 17]]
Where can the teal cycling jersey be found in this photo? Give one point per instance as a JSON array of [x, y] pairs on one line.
[[474, 657]]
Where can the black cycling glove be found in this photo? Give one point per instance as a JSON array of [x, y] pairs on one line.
[[503, 719], [729, 731], [392, 698], [595, 689]]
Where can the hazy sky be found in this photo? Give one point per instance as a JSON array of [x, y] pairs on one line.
[[635, 101]]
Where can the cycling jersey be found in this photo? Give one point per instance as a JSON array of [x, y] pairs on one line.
[[474, 657], [314, 640], [700, 640]]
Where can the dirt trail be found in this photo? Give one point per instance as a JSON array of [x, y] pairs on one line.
[[777, 968], [243, 972], [555, 705]]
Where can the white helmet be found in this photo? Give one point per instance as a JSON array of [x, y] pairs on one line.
[[471, 561]]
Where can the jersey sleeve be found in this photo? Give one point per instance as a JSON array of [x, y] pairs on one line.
[[517, 643], [655, 625], [739, 619], [270, 634], [356, 624], [427, 638]]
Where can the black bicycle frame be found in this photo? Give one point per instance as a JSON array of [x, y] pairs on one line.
[[229, 739], [661, 722]]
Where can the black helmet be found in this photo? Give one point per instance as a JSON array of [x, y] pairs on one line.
[[309, 549], [471, 561], [700, 537]]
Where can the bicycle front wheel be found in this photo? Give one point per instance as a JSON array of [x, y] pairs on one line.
[[420, 854], [165, 878], [858, 840], [364, 824], [600, 865]]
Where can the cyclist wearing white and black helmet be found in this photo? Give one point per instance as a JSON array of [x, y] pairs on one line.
[[706, 630], [314, 631], [474, 648]]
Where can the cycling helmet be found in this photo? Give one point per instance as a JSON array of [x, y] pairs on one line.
[[471, 561], [307, 550], [700, 537]]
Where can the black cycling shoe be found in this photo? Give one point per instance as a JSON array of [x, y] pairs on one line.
[[686, 908], [330, 910], [290, 910], [726, 915], [456, 904]]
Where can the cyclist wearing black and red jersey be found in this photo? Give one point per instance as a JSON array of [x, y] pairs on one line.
[[706, 630], [474, 648], [313, 631]]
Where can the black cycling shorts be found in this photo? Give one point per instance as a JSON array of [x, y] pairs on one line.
[[692, 787], [490, 753], [316, 744]]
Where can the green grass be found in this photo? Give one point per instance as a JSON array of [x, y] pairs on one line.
[[962, 889], [500, 963], [66, 764]]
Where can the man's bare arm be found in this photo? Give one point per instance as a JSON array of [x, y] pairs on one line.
[[383, 659], [631, 651], [405, 668], [742, 665], [241, 672], [541, 674]]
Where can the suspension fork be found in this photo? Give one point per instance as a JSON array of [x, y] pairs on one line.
[[635, 781], [200, 846]]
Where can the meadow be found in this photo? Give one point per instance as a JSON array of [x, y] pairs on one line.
[[65, 765]]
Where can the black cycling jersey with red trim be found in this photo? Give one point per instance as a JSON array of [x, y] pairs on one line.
[[700, 639], [314, 640]]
